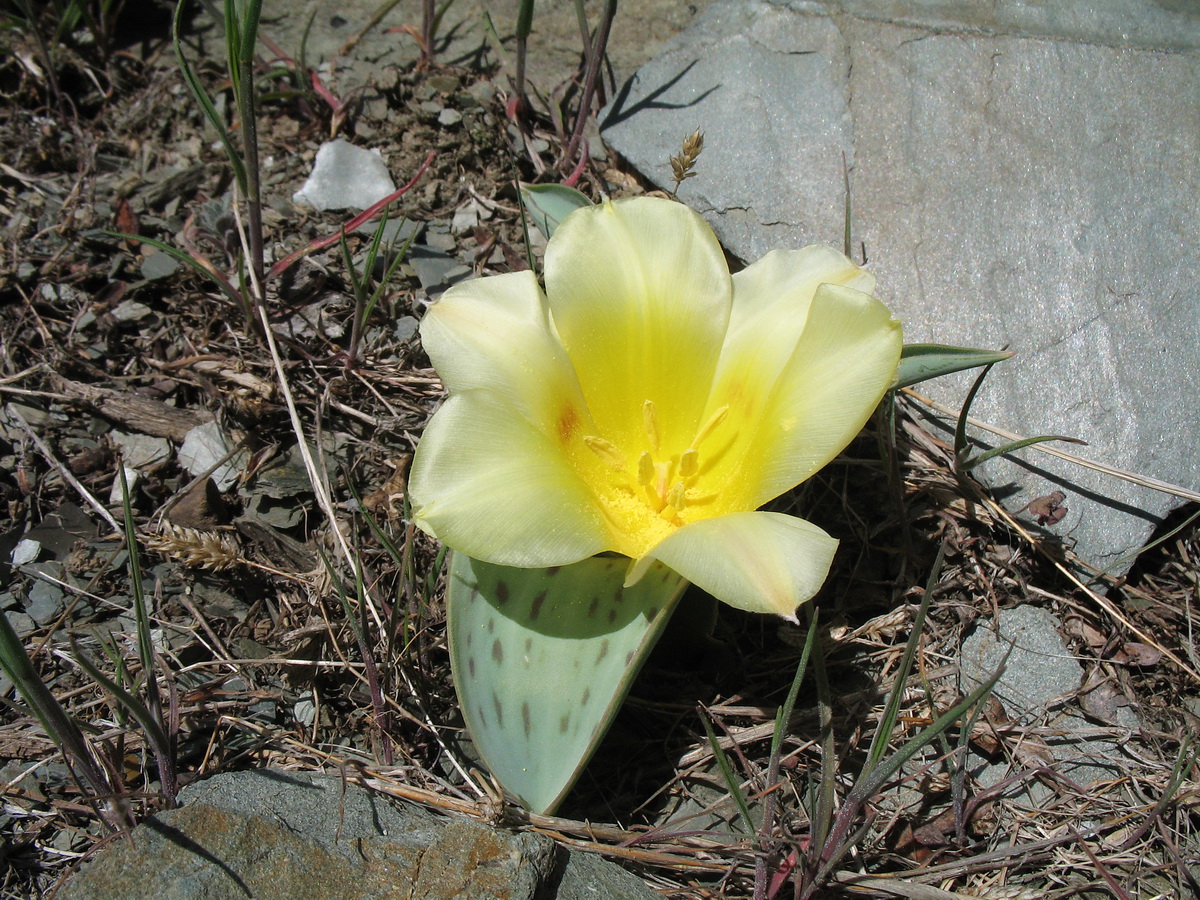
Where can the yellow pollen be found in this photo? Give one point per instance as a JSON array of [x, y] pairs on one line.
[[650, 423], [607, 451]]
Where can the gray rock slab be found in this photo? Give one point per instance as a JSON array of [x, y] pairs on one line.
[[46, 602], [1040, 681], [288, 835], [554, 46], [1024, 174]]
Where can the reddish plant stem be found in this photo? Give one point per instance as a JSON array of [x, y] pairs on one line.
[[365, 216], [591, 74]]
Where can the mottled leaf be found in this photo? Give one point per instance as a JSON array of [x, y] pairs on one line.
[[543, 658]]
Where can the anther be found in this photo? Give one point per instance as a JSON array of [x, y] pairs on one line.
[[650, 423], [607, 451], [645, 469], [689, 463], [676, 497]]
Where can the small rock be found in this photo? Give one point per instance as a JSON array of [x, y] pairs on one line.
[[46, 603], [345, 177], [59, 531], [443, 84], [449, 117], [434, 269], [157, 265], [482, 91], [141, 450], [22, 624], [26, 551], [406, 327], [305, 712], [203, 448], [131, 310]]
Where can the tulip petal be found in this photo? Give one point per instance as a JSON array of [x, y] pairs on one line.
[[495, 333], [843, 364], [783, 429], [491, 485], [771, 299], [757, 561], [640, 293]]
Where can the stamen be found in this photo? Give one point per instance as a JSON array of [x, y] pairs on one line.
[[650, 423], [645, 469], [708, 427], [607, 451], [689, 463], [676, 497], [663, 470]]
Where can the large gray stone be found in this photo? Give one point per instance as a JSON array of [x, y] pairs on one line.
[[292, 835], [1028, 174]]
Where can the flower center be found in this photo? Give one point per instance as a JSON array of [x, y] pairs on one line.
[[665, 483]]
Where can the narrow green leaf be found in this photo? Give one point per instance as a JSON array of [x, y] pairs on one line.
[[57, 722], [549, 204], [960, 426], [731, 780], [1017, 445], [920, 362], [784, 715], [891, 709], [524, 19], [543, 658], [150, 723], [200, 95]]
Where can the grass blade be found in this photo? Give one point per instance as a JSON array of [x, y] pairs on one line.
[[731, 781]]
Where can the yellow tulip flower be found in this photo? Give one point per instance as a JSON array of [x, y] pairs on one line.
[[648, 403]]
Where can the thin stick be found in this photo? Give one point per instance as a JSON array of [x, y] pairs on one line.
[[63, 470]]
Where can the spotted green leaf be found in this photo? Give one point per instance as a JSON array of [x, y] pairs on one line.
[[543, 658]]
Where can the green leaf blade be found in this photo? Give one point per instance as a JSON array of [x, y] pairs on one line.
[[920, 362], [543, 658], [548, 204]]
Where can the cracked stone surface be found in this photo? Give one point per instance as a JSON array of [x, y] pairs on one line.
[[1038, 689], [280, 834], [1022, 174]]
